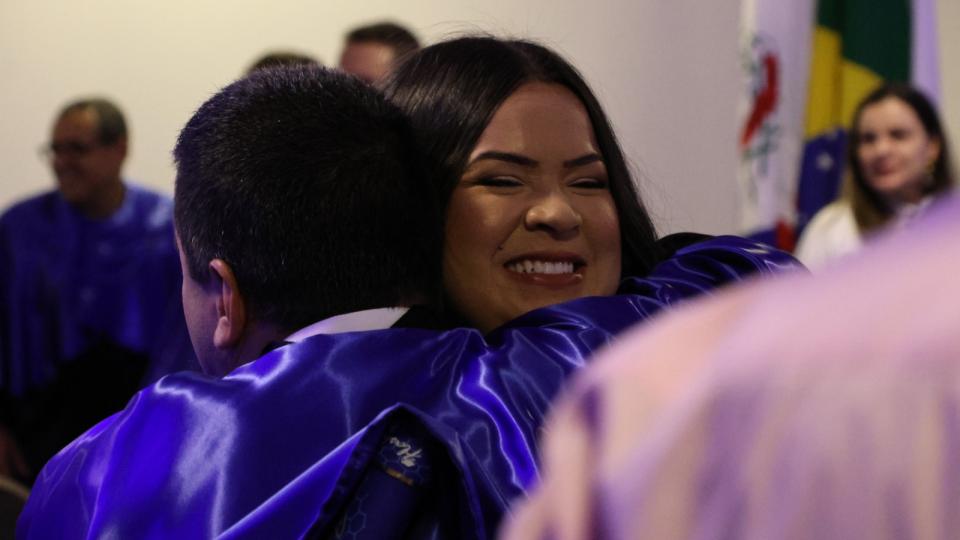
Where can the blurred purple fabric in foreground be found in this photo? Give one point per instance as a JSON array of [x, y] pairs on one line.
[[822, 407]]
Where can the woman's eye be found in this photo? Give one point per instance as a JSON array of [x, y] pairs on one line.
[[499, 181], [899, 134], [589, 183]]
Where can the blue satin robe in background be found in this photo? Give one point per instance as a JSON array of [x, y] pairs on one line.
[[74, 291], [278, 448]]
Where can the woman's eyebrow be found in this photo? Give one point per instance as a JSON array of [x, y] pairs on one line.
[[582, 160], [525, 161], [506, 156]]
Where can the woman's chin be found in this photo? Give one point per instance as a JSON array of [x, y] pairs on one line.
[[897, 191]]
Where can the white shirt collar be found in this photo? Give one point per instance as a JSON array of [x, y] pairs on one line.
[[357, 321], [906, 212]]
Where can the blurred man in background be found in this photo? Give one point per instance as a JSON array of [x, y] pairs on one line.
[[89, 292], [282, 58], [371, 51]]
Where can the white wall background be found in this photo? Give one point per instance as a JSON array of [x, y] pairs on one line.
[[666, 70]]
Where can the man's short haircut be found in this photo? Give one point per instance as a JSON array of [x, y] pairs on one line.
[[305, 182], [401, 40], [111, 126]]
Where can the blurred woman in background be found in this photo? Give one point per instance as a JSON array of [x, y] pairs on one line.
[[899, 161]]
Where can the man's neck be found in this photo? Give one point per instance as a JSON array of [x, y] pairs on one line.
[[105, 203], [256, 339]]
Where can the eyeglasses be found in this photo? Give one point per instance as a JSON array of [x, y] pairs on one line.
[[68, 149]]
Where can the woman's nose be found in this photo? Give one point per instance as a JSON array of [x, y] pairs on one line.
[[881, 145], [554, 213]]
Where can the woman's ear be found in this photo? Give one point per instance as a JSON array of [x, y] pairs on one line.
[[231, 309]]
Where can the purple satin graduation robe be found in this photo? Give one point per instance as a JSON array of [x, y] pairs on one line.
[[67, 282], [89, 313], [274, 449]]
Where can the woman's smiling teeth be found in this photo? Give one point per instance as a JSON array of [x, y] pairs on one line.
[[540, 267]]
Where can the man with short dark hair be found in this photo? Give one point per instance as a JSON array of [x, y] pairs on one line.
[[297, 200], [371, 51], [89, 309]]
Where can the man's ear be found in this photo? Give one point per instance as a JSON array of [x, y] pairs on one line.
[[231, 309]]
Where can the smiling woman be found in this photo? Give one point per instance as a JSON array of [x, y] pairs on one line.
[[532, 221], [541, 207]]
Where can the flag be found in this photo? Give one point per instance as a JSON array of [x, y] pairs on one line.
[[855, 45], [775, 41]]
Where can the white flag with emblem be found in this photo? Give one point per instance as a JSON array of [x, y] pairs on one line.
[[775, 50]]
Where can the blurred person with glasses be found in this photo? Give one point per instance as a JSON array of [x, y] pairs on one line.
[[89, 292]]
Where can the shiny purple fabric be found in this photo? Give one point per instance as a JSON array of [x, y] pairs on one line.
[[68, 283], [271, 450]]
